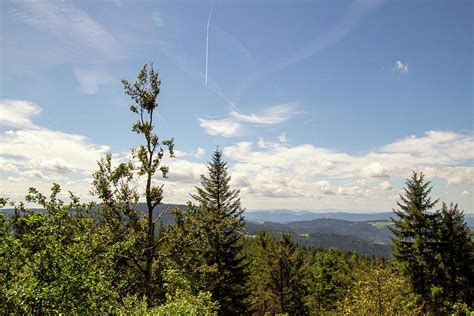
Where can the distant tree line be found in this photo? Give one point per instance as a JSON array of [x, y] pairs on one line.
[[107, 258]]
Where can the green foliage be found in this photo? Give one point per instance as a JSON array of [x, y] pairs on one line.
[[455, 258], [380, 291], [260, 251], [54, 261], [331, 275], [414, 238], [179, 300], [434, 250], [287, 276], [117, 188], [221, 265], [215, 191]]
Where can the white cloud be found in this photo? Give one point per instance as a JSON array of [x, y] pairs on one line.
[[376, 170], [457, 176], [441, 147], [400, 67], [271, 115], [200, 152], [56, 165], [184, 171], [36, 156], [15, 179], [240, 181], [275, 169], [282, 138], [224, 127], [385, 186], [6, 166], [18, 113], [466, 193], [56, 151], [327, 165], [325, 187], [269, 173], [90, 79]]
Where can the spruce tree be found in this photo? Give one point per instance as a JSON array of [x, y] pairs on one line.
[[221, 208], [456, 256], [288, 275], [414, 236]]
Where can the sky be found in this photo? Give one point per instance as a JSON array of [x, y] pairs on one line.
[[315, 104]]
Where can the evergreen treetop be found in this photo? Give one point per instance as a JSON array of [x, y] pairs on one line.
[[215, 191], [414, 238], [224, 231]]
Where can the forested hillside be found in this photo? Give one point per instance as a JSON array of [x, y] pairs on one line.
[[313, 235], [118, 256]]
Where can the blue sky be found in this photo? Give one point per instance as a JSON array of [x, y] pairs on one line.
[[316, 104]]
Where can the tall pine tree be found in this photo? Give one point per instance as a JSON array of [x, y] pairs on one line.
[[221, 208], [414, 236], [455, 256]]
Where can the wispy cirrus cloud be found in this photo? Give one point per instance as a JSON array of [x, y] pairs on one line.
[[207, 40], [333, 35], [271, 115], [59, 32], [234, 123], [77, 36], [90, 79]]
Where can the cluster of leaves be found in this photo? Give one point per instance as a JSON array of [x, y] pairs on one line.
[[380, 290], [54, 260]]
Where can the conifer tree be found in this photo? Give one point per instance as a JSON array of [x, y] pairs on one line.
[[414, 236], [288, 276], [455, 249], [220, 207]]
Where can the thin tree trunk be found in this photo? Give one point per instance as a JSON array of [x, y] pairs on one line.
[[150, 239], [149, 258]]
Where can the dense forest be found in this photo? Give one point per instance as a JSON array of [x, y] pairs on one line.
[[111, 257]]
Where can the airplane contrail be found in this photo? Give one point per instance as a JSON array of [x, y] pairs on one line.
[[207, 38]]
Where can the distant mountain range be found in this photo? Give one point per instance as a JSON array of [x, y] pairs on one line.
[[287, 216]]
